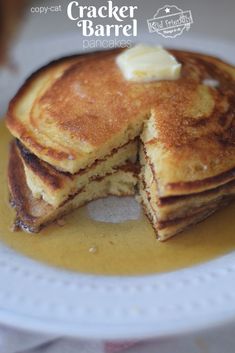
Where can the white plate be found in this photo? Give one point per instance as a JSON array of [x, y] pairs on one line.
[[38, 297]]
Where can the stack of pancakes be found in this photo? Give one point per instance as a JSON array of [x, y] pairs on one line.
[[79, 126]]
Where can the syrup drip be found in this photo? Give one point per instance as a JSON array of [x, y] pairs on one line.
[[128, 248]]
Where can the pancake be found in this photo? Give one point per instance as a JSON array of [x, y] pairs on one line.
[[55, 187], [165, 230], [33, 214], [78, 110], [172, 207], [170, 215], [174, 215]]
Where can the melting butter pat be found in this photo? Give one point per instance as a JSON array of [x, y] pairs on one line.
[[144, 63]]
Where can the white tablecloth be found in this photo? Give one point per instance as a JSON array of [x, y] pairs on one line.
[[216, 340]]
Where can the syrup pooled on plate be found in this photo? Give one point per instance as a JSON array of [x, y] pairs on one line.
[[129, 248]]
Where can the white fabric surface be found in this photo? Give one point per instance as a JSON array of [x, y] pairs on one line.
[[217, 340], [17, 341]]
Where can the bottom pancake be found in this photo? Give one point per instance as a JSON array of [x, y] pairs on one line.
[[33, 214], [171, 215], [168, 228]]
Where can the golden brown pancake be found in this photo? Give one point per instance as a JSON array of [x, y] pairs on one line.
[[33, 214], [169, 215], [170, 205], [165, 230], [55, 186], [77, 110]]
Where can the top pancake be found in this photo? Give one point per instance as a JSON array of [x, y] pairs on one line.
[[77, 109]]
